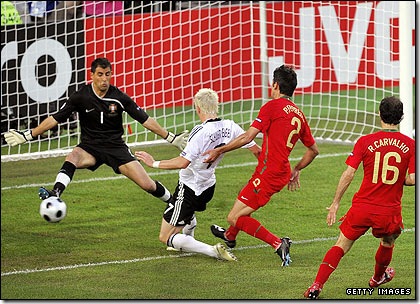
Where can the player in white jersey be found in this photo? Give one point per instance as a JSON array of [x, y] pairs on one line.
[[197, 180]]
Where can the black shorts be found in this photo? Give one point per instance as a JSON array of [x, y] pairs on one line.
[[185, 204], [114, 156]]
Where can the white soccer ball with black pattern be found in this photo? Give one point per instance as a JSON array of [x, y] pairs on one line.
[[53, 209]]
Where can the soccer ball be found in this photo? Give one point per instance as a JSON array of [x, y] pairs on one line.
[[53, 209]]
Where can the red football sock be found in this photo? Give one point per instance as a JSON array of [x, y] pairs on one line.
[[255, 229], [329, 264], [383, 258], [231, 233]]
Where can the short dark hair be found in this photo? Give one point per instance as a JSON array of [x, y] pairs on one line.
[[391, 110], [286, 78], [102, 62]]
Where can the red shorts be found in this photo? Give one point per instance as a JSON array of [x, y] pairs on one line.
[[257, 192], [356, 222]]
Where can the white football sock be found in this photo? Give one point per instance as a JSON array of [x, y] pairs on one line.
[[63, 178], [189, 229], [187, 243]]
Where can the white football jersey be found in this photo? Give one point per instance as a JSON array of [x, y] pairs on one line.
[[212, 133]]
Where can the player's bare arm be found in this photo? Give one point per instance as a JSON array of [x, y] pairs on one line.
[[256, 150], [343, 184], [310, 154], [152, 125], [410, 180], [47, 124], [174, 163], [308, 157], [236, 143]]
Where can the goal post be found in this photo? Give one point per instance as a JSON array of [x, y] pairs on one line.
[[407, 55], [348, 55]]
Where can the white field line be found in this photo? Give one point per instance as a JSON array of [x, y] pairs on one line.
[[163, 172], [28, 271]]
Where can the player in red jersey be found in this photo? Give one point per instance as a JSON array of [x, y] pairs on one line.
[[282, 124], [387, 157]]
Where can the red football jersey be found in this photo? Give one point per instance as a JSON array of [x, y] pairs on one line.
[[387, 157], [282, 124]]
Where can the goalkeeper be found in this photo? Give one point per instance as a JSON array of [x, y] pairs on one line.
[[100, 106]]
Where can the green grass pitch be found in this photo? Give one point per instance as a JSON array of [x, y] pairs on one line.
[[107, 247]]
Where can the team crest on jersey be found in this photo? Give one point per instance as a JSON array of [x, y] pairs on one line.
[[112, 110]]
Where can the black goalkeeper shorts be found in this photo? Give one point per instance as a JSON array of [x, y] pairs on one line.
[[114, 156]]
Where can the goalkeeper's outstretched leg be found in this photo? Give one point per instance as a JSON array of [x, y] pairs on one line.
[[100, 107]]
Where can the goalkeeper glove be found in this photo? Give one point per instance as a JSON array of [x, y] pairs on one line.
[[15, 137], [179, 140]]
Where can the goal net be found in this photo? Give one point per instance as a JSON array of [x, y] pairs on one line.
[[346, 55]]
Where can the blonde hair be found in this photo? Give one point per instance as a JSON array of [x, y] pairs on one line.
[[207, 100]]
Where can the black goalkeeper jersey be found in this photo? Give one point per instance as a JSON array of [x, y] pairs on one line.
[[101, 119]]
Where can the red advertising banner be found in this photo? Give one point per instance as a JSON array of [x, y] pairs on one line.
[[165, 58]]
